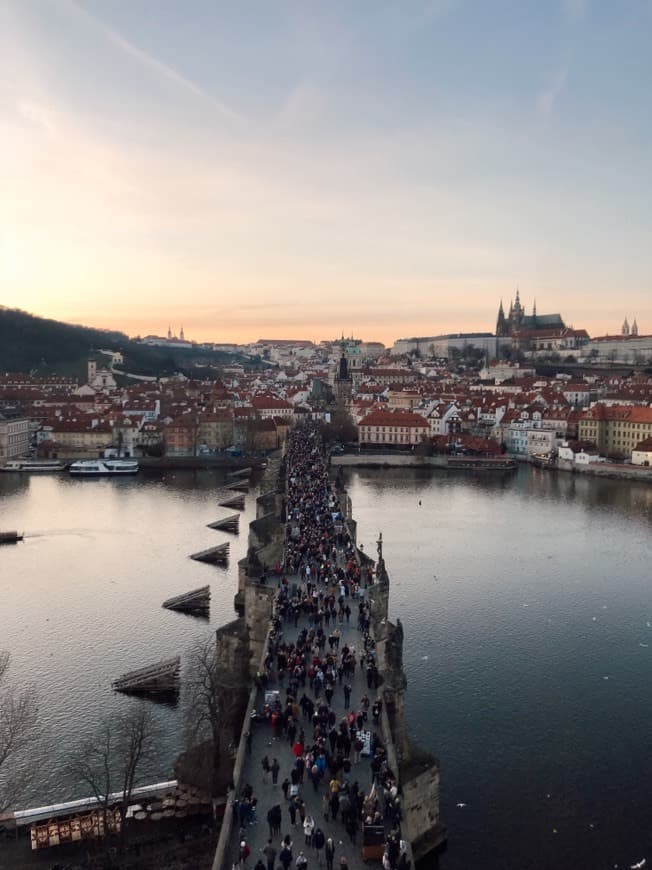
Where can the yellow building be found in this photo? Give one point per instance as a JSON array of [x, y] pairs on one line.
[[615, 429]]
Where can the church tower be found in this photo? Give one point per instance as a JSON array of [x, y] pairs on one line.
[[343, 385], [625, 329], [181, 338], [501, 324], [634, 327]]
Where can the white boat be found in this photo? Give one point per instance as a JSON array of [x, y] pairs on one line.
[[96, 467], [33, 465]]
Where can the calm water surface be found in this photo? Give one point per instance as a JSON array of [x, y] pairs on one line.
[[80, 598], [527, 607]]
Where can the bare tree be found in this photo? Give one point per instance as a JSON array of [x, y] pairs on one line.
[[18, 730], [109, 764], [214, 693]]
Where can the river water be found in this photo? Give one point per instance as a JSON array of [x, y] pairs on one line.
[[80, 597], [527, 607]]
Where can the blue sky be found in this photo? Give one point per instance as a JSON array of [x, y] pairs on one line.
[[299, 168]]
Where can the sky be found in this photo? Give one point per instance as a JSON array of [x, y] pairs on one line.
[[302, 169]]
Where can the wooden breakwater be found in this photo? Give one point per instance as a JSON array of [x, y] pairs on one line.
[[228, 524], [161, 678], [213, 555], [237, 502], [197, 601]]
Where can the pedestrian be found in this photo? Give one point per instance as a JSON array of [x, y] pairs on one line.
[[292, 808], [285, 785], [318, 842], [245, 851], [270, 854], [285, 856], [302, 862], [275, 769], [266, 768], [329, 852], [259, 865], [344, 864], [308, 829], [347, 695]]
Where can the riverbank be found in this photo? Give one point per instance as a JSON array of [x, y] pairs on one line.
[[412, 460]]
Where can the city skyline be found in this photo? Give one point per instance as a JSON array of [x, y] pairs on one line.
[[294, 171]]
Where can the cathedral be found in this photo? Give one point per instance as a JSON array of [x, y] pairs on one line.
[[517, 322]]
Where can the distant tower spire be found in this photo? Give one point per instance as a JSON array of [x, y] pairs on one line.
[[181, 334], [169, 332], [625, 329], [534, 309], [634, 327]]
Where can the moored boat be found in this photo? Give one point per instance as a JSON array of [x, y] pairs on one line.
[[103, 467], [33, 465]]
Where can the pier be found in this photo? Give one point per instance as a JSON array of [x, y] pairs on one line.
[[327, 700]]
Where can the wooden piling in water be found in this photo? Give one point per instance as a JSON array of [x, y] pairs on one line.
[[161, 678], [228, 524], [241, 472], [239, 486], [237, 502], [196, 602], [214, 555]]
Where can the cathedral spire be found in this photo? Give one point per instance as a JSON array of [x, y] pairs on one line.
[[534, 309], [634, 327]]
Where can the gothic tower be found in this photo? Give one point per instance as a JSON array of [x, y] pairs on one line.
[[501, 324], [625, 328]]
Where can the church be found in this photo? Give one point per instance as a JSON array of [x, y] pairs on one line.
[[518, 323]]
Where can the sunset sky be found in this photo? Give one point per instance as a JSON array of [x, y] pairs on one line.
[[296, 169]]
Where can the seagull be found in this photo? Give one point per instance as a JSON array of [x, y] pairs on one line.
[[460, 805], [605, 678], [644, 644], [424, 658], [638, 864], [594, 618]]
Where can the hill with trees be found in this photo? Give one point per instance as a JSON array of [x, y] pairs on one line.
[[41, 346]]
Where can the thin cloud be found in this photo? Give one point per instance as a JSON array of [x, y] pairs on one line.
[[164, 70], [547, 99]]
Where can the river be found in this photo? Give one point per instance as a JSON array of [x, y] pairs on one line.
[[81, 597], [527, 608]]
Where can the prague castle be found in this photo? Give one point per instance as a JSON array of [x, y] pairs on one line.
[[518, 322]]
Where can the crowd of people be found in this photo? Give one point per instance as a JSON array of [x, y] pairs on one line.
[[305, 678]]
